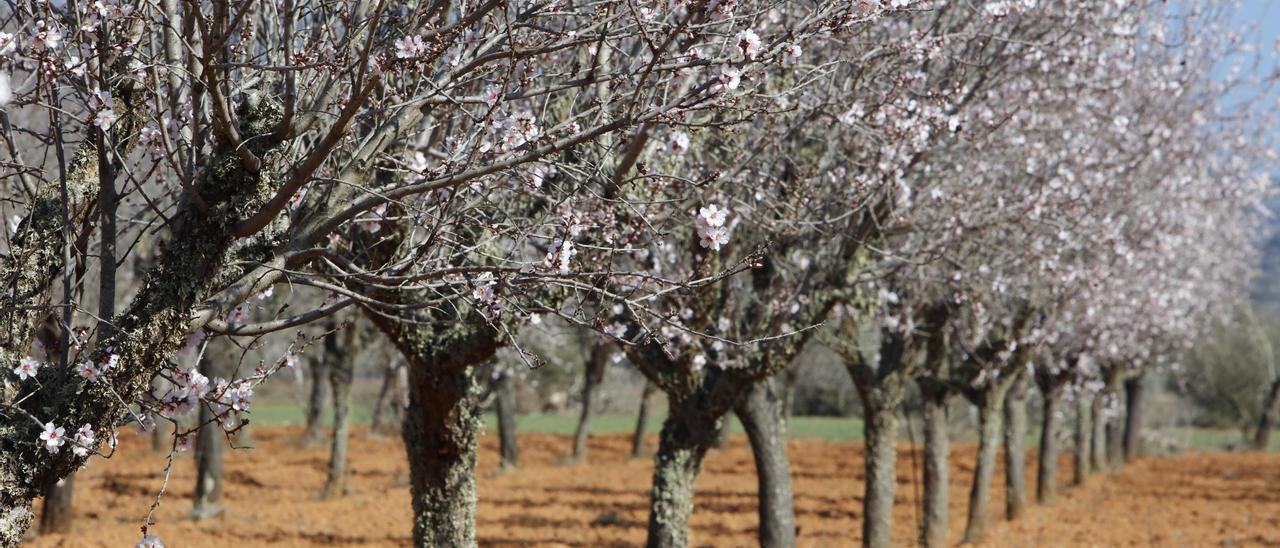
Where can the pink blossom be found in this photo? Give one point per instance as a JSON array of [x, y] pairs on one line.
[[53, 437], [748, 42], [409, 47], [27, 368], [84, 441]]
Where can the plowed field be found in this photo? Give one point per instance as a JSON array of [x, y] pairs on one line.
[[271, 498]]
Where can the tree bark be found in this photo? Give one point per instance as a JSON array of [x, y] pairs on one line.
[[1270, 413], [1047, 470], [1115, 433], [1098, 458], [937, 471], [762, 415], [340, 351], [506, 407], [1015, 447], [592, 377], [316, 403], [687, 434], [56, 516], [722, 433], [211, 442], [881, 433], [1084, 443], [390, 376], [441, 433], [642, 421], [989, 402], [1133, 417]]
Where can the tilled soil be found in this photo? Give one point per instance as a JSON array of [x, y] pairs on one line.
[[271, 498]]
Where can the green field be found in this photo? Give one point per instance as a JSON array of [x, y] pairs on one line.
[[823, 428]]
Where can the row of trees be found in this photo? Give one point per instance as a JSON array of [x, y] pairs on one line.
[[966, 196]]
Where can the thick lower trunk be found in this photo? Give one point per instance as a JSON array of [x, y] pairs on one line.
[[881, 434], [341, 367], [441, 432], [1084, 443], [592, 378], [1015, 448], [937, 472], [506, 408], [1270, 413], [1047, 470], [57, 512], [1115, 442], [762, 416], [988, 444], [686, 436], [316, 400], [1098, 457], [1133, 404], [642, 421]]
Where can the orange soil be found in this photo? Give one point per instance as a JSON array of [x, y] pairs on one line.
[[271, 498]]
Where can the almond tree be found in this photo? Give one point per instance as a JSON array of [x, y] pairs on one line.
[[247, 135]]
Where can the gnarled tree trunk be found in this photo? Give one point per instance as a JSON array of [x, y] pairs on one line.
[[1047, 470], [1083, 439], [1270, 413], [1015, 447], [762, 415], [317, 399], [57, 512], [688, 432], [340, 351], [596, 364], [441, 433], [1133, 417], [1098, 457], [388, 398], [989, 402], [211, 440], [506, 407], [937, 471], [881, 435], [642, 420]]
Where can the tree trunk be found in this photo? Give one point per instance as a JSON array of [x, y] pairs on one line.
[[211, 442], [592, 378], [506, 407], [881, 433], [1115, 435], [1270, 413], [441, 432], [1047, 471], [687, 434], [722, 433], [1084, 443], [1015, 447], [937, 472], [379, 405], [989, 406], [340, 355], [1133, 416], [316, 403], [1098, 458], [57, 514], [762, 415], [642, 421], [790, 378]]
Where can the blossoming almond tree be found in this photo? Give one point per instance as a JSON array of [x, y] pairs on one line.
[[247, 132]]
